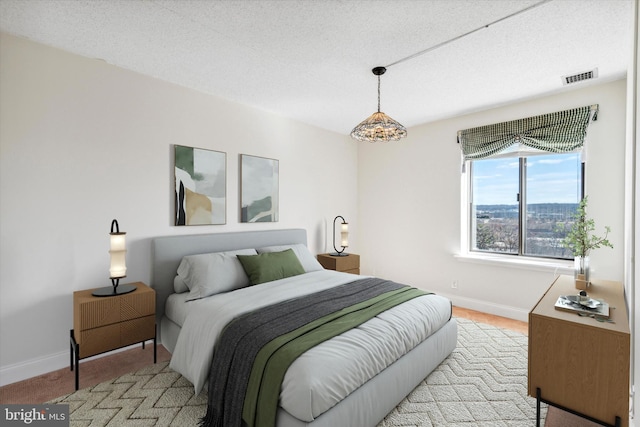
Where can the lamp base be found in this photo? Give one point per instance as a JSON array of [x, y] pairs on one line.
[[112, 291], [338, 254]]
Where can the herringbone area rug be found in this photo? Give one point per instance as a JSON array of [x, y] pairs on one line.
[[482, 383]]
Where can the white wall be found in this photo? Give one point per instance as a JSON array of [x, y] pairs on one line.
[[409, 204], [633, 210], [83, 142]]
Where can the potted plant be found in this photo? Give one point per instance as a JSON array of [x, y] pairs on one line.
[[581, 242]]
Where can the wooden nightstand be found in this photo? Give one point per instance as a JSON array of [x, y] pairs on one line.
[[102, 324], [578, 363], [348, 264]]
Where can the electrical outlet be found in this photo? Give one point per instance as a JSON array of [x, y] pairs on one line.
[[454, 284]]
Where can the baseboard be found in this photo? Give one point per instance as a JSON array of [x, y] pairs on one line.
[[489, 307], [43, 365], [34, 367]]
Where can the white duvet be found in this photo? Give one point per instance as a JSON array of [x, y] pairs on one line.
[[326, 374]]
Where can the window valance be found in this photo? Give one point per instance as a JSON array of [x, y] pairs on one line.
[[559, 132]]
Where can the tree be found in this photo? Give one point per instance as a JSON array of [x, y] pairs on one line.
[[484, 237]]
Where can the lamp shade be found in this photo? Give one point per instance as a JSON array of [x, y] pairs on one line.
[[118, 267], [378, 127], [118, 264], [344, 235], [118, 251]]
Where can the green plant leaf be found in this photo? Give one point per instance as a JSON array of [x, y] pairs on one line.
[[580, 238]]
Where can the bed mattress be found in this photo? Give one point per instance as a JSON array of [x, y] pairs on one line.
[[329, 372]]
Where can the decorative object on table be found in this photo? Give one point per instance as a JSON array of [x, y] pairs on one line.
[[583, 296], [581, 242], [118, 267], [200, 186], [583, 305], [378, 127], [344, 237], [259, 189]]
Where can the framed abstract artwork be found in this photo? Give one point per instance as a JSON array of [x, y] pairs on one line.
[[258, 189], [200, 186]]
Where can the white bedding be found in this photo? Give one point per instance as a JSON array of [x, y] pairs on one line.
[[344, 363], [177, 307]]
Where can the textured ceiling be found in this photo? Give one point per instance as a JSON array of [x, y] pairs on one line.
[[311, 60]]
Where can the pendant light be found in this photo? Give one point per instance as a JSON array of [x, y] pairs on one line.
[[379, 126]]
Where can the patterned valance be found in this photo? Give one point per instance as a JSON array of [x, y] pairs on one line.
[[559, 132]]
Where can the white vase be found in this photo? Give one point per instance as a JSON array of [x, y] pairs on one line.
[[581, 271]]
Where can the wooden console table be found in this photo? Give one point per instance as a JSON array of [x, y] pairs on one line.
[[580, 364]]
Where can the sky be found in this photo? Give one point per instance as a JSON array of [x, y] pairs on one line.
[[553, 178]]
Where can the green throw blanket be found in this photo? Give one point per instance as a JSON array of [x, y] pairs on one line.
[[255, 350]]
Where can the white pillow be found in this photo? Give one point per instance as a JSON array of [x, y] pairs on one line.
[[210, 274], [308, 261], [179, 285]]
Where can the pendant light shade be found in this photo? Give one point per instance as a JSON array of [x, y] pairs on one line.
[[379, 126]]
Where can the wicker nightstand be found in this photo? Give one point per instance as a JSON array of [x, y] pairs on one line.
[[102, 324]]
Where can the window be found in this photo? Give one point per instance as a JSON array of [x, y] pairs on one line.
[[522, 205], [525, 182]]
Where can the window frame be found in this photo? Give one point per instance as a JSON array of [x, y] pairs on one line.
[[467, 221]]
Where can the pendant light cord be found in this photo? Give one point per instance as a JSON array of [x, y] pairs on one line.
[[378, 93], [422, 52]]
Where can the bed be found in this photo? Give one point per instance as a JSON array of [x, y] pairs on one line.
[[359, 396]]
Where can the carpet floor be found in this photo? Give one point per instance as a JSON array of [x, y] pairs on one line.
[[482, 383]]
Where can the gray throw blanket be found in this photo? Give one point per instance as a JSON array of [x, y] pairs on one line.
[[242, 339]]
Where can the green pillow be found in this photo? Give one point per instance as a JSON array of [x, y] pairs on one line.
[[270, 266]]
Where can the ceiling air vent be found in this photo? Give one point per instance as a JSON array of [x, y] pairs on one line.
[[575, 78]]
